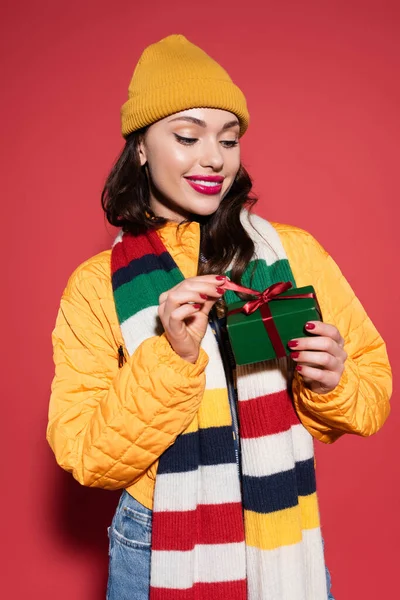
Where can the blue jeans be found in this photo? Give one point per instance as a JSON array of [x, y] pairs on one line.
[[129, 552]]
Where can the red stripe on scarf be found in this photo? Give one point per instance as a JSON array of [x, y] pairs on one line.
[[134, 247], [232, 590], [266, 415], [208, 524]]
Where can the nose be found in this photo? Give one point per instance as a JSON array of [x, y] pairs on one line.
[[212, 155]]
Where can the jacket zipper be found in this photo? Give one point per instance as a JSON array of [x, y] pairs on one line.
[[121, 357]]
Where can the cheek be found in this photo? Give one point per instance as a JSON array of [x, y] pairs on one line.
[[179, 158], [232, 166], [232, 163], [169, 163], [236, 159]]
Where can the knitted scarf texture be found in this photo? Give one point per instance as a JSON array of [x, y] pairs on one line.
[[219, 532]]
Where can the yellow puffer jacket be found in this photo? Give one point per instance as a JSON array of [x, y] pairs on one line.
[[108, 426]]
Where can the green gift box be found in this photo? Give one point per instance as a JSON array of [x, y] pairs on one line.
[[262, 331]]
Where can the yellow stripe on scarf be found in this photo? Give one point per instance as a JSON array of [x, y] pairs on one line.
[[214, 411], [283, 527]]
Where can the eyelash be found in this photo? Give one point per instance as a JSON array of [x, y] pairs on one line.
[[190, 141]]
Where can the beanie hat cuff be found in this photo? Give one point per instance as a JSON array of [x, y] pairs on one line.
[[157, 103]]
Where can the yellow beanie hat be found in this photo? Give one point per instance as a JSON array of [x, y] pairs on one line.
[[173, 75]]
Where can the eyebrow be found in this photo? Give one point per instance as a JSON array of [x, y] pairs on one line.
[[203, 123]]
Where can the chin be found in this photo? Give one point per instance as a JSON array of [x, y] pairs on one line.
[[205, 212], [205, 209]]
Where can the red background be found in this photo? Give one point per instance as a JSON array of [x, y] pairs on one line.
[[322, 83]]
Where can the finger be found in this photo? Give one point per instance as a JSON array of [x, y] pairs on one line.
[[199, 293], [212, 291], [207, 306], [197, 283], [326, 330], [163, 297], [166, 310], [208, 288], [176, 321], [317, 359], [327, 379], [319, 343]]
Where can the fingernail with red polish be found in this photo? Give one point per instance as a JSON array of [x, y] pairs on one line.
[[295, 354], [310, 326], [204, 296], [298, 367], [196, 305], [292, 344], [220, 290], [220, 277]]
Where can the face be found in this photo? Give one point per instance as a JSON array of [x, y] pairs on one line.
[[191, 159]]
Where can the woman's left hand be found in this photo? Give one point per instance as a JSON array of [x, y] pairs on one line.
[[320, 359]]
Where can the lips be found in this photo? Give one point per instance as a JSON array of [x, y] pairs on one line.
[[206, 184], [212, 178]]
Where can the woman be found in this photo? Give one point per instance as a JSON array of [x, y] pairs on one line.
[[146, 397]]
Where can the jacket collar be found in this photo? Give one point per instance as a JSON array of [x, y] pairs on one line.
[[183, 244]]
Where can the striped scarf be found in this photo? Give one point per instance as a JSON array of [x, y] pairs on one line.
[[219, 533]]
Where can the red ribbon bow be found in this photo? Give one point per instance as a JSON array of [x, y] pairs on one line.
[[268, 294]]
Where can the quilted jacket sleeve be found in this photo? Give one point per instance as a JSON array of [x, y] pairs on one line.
[[360, 402], [108, 425]]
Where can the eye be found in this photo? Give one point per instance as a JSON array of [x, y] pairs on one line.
[[185, 140], [230, 143]]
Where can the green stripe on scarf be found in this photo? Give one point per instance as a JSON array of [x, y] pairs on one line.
[[146, 289]]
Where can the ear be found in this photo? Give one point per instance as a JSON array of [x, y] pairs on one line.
[[142, 153]]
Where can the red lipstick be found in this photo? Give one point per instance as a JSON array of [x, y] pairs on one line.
[[206, 184]]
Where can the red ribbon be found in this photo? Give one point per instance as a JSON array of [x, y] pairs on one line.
[[261, 301]]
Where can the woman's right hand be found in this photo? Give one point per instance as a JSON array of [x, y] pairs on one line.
[[185, 324]]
